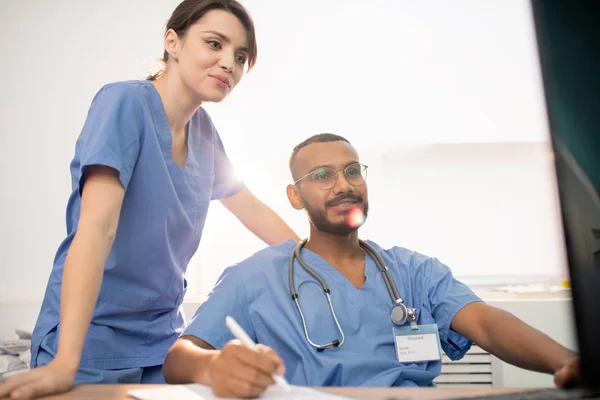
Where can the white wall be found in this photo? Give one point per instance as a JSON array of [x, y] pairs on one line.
[[429, 92], [55, 56]]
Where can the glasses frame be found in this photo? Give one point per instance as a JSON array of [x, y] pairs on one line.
[[363, 169]]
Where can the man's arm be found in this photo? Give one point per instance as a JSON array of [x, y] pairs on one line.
[[259, 218], [188, 360], [234, 371], [510, 339], [207, 352]]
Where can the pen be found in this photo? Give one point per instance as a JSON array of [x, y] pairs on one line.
[[243, 337]]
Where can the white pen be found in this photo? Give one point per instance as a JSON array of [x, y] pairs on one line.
[[243, 337]]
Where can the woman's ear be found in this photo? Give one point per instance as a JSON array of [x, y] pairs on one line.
[[294, 197], [172, 44]]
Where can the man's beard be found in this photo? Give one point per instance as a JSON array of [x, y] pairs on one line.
[[318, 217]]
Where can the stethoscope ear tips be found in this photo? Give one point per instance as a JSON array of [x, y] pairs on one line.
[[336, 343], [320, 349]]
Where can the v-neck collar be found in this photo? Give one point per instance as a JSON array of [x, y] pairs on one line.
[[318, 263], [164, 131]]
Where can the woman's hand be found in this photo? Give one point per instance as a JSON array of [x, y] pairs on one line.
[[50, 379]]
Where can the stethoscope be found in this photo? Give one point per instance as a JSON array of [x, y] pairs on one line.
[[400, 313]]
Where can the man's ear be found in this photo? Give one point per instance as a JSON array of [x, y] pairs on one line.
[[294, 197]]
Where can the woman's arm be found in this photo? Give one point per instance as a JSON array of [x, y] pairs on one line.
[[259, 218], [101, 202]]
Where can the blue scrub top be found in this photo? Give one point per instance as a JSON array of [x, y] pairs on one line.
[[256, 293], [138, 317]]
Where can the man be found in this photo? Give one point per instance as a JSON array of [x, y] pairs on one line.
[[354, 343]]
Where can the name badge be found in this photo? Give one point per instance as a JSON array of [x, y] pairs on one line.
[[417, 343]]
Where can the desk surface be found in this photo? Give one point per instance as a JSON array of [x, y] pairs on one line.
[[118, 392]]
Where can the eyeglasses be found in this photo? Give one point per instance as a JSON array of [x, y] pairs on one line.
[[326, 177]]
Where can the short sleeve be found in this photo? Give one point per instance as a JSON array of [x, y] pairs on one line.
[[226, 183], [447, 296], [111, 134], [228, 297]]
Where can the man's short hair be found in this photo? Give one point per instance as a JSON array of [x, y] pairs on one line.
[[319, 138]]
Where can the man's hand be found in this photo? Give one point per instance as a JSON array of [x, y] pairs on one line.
[[43, 381], [513, 341], [569, 375], [237, 371]]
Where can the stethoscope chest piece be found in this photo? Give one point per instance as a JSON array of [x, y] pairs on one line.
[[401, 314]]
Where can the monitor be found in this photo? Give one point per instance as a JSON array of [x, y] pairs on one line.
[[568, 37]]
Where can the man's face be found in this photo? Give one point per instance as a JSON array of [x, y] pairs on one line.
[[334, 193]]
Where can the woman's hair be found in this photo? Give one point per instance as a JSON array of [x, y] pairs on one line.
[[188, 12]]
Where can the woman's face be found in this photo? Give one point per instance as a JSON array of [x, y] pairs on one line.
[[212, 55]]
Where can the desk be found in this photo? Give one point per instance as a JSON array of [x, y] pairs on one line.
[[118, 392]]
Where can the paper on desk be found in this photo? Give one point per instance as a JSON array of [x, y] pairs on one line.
[[201, 392]]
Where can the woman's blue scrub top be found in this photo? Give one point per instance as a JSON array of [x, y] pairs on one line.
[[138, 317]]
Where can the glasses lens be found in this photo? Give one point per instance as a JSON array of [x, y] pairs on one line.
[[356, 174], [324, 177]]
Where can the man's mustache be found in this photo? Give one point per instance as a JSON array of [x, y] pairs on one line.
[[342, 198]]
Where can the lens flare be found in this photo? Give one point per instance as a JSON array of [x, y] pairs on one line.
[[356, 217]]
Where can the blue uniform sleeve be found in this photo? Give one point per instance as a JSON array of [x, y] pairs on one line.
[[111, 134], [228, 297], [447, 296], [226, 183]]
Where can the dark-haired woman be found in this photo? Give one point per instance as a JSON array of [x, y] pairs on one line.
[[147, 164]]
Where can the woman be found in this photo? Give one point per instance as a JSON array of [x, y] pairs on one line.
[[147, 164]]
